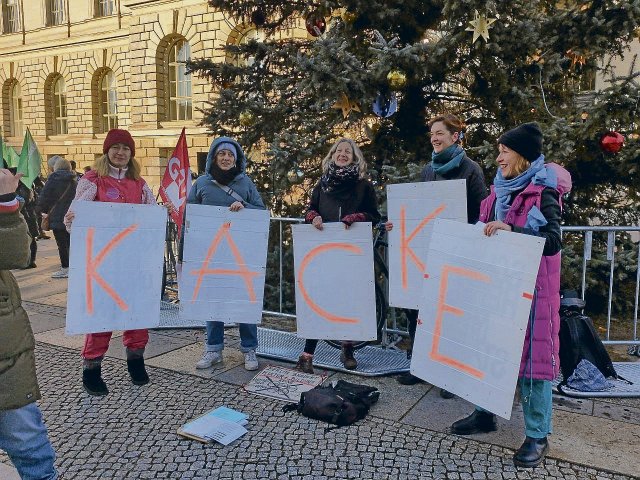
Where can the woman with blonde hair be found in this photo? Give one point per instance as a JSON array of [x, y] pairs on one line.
[[526, 198], [115, 178], [341, 195]]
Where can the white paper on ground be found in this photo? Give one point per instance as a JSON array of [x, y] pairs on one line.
[[215, 428], [474, 312], [224, 264], [412, 207], [115, 267], [335, 291]]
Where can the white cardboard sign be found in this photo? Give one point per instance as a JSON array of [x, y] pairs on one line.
[[474, 312], [412, 207], [115, 267], [224, 264], [335, 291]]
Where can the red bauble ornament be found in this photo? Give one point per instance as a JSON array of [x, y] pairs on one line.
[[611, 142], [316, 24]]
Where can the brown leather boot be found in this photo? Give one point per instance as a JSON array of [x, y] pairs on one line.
[[347, 358], [305, 363]]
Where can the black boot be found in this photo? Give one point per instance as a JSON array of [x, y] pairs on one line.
[[92, 381], [137, 371], [531, 453], [305, 363], [408, 379], [347, 358], [477, 422], [446, 394]]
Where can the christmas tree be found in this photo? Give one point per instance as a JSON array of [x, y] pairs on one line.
[[377, 70]]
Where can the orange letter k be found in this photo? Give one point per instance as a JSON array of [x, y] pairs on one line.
[[405, 249], [93, 264]]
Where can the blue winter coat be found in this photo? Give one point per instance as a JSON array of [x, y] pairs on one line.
[[205, 192]]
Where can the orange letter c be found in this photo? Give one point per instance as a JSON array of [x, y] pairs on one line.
[[305, 263]]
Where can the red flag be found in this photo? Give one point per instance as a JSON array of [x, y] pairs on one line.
[[176, 182]]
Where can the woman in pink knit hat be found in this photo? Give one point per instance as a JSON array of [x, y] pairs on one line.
[[115, 177]]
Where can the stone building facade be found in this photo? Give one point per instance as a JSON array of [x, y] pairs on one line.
[[72, 69]]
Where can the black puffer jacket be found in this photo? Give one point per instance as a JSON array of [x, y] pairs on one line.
[[476, 186], [56, 196], [335, 205]]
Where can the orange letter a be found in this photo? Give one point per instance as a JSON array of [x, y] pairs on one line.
[[242, 271]]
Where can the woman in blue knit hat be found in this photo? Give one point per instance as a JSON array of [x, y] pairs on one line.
[[225, 184], [526, 198]]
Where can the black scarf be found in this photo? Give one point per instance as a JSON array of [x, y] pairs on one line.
[[337, 177], [225, 177]]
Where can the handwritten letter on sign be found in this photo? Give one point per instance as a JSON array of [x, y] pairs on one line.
[[224, 264], [474, 312], [412, 208], [115, 267], [335, 292]]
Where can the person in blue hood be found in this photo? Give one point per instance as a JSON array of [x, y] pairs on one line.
[[225, 184]]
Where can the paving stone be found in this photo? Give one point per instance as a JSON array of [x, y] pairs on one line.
[[137, 424]]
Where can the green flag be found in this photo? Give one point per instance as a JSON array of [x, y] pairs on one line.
[[9, 155], [30, 160]]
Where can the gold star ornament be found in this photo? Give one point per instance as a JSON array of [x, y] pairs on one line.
[[346, 105], [480, 26]]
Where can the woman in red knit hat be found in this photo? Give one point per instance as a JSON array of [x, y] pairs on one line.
[[115, 177]]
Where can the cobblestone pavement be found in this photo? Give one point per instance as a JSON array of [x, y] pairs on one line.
[[131, 433]]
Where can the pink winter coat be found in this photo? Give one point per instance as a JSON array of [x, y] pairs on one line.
[[540, 359]]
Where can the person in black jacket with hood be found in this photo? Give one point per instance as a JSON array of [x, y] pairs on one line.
[[54, 201], [341, 195]]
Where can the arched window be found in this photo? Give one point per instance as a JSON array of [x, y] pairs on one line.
[[59, 107], [108, 102], [180, 103], [15, 110], [11, 16], [246, 37]]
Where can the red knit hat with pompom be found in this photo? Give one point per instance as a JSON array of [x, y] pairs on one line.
[[119, 136]]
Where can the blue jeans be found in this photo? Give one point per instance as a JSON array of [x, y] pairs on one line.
[[215, 336], [537, 405], [24, 437]]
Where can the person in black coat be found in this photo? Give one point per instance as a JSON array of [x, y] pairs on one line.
[[449, 161], [341, 195], [54, 201]]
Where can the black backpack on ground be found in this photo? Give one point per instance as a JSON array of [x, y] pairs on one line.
[[340, 404], [579, 339]]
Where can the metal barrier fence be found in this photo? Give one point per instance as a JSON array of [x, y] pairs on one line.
[[282, 239], [587, 255]]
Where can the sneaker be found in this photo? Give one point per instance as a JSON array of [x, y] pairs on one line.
[[62, 273], [209, 359], [250, 360], [305, 363]]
